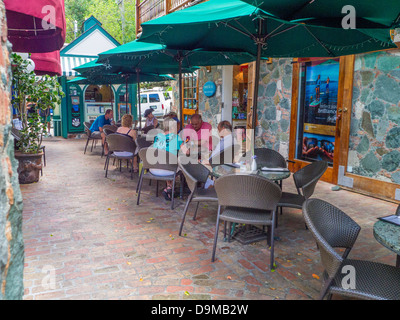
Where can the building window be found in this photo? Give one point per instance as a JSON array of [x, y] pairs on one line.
[[190, 90]]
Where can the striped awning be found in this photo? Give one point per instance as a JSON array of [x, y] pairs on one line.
[[70, 62]]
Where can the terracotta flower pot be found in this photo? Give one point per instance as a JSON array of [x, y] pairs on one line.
[[29, 167]]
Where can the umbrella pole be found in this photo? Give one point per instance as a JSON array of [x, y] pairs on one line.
[[256, 82], [180, 94], [126, 92], [138, 93]]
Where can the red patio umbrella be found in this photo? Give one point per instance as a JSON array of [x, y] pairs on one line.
[[47, 63], [36, 26]]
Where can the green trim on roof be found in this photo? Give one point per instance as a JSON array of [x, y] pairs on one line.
[[85, 35]]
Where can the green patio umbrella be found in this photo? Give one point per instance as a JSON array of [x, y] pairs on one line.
[[152, 57], [96, 71], [120, 79], [226, 25], [369, 14]]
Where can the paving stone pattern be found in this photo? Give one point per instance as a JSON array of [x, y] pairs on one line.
[[85, 238]]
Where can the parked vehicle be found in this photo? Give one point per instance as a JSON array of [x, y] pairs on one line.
[[156, 99]]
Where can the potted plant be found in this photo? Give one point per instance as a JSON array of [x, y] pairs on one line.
[[31, 94]]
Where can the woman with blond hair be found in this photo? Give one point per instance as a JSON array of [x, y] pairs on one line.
[[126, 130], [171, 142]]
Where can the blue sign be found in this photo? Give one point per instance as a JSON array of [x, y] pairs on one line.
[[209, 88]]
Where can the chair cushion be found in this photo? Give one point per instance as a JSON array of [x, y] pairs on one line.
[[246, 215], [292, 200], [205, 195], [95, 135], [122, 154], [373, 280]]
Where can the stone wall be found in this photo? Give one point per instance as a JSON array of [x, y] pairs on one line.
[[274, 102], [210, 107], [11, 241], [374, 149]]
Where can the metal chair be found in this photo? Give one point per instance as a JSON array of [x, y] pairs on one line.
[[90, 136], [120, 147], [248, 199], [305, 181], [195, 174], [153, 158], [359, 279]]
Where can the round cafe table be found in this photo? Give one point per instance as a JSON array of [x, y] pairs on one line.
[[248, 234], [388, 235], [276, 176]]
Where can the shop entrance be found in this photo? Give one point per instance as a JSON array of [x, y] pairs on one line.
[[320, 119], [98, 98]]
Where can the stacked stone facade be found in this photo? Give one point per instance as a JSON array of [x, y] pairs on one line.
[[11, 241]]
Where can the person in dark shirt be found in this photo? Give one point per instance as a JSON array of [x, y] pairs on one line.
[[97, 127]]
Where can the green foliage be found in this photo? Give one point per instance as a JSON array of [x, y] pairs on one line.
[[116, 19], [44, 92]]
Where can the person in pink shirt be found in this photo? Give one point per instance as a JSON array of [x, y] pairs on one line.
[[199, 132]]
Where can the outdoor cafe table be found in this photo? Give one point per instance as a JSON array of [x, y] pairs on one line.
[[388, 235], [249, 234]]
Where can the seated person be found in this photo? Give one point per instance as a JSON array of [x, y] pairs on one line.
[[126, 129], [151, 121], [174, 116], [97, 127], [226, 139], [199, 133], [170, 141]]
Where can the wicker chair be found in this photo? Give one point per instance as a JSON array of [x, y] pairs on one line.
[[249, 199], [332, 228], [305, 181], [111, 127], [90, 137], [169, 162], [142, 142], [195, 174], [120, 147]]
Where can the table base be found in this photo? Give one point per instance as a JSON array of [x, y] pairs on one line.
[[248, 234]]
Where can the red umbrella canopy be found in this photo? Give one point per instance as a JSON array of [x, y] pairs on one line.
[[47, 63], [36, 26]]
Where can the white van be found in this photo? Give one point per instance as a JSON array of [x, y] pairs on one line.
[[156, 99]]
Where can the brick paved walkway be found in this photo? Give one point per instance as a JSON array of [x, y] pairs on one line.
[[88, 231]]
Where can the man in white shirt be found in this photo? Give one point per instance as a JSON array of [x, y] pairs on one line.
[[226, 138]]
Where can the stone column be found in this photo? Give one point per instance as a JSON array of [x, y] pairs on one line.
[[11, 241]]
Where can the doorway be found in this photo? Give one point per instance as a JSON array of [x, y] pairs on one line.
[[320, 123]]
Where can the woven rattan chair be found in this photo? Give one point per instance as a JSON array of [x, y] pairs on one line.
[[195, 174], [305, 181], [332, 228], [142, 142], [120, 148], [153, 158], [248, 199], [90, 136], [111, 127]]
